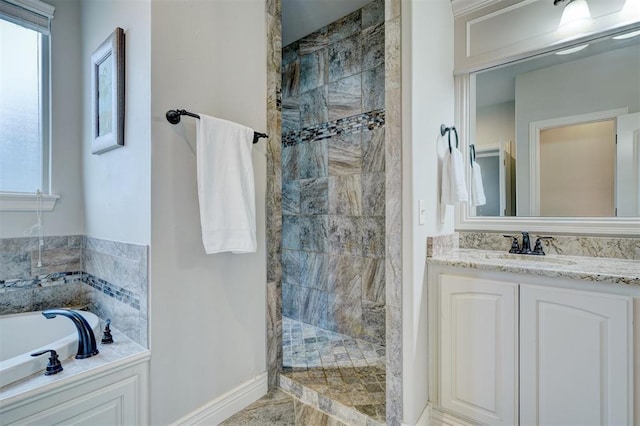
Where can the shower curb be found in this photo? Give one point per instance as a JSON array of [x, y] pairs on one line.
[[324, 404]]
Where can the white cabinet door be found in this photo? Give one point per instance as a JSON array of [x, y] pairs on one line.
[[575, 358], [112, 405], [478, 349]]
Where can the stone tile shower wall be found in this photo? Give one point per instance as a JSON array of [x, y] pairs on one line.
[[108, 277], [333, 173]]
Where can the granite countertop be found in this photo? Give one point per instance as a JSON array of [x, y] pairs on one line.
[[595, 269], [122, 351]]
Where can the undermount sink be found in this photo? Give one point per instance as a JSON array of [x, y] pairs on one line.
[[528, 258]]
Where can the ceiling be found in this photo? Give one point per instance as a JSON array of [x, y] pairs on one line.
[[302, 17]]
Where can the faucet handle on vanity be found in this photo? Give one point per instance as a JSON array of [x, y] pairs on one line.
[[515, 247], [54, 366], [538, 248]]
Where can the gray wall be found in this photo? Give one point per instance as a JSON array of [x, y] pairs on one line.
[[117, 183], [207, 311], [333, 176]]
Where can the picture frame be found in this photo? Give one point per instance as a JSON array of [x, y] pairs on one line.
[[107, 94]]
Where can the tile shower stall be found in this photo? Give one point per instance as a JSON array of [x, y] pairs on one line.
[[333, 208]]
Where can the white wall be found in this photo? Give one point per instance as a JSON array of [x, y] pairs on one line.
[[427, 102], [568, 89], [207, 311], [66, 116], [117, 183]]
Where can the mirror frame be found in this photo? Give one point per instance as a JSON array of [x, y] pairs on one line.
[[619, 226]]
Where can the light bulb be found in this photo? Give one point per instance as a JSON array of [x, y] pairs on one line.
[[630, 10], [575, 18]]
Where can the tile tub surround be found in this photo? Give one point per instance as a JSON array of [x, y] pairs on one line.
[[593, 269], [117, 276], [109, 278], [58, 282], [576, 245], [333, 176]]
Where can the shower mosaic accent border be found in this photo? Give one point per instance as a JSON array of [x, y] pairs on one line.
[[343, 126]]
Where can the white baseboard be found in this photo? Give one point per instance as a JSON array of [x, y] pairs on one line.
[[225, 406], [424, 419], [440, 418]]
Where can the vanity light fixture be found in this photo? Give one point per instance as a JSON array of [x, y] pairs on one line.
[[627, 35], [571, 50], [631, 10], [575, 16]]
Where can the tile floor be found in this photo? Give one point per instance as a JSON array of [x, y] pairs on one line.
[[305, 346], [281, 409], [321, 365]]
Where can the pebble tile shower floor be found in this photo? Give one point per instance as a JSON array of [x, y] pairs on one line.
[[347, 371]]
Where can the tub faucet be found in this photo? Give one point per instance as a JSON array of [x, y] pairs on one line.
[[86, 339]]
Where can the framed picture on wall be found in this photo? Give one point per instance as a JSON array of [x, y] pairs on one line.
[[107, 94]]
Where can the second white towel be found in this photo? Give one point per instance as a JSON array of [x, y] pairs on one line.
[[226, 190], [477, 188]]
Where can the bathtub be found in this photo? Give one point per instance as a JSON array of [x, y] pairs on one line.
[[23, 334]]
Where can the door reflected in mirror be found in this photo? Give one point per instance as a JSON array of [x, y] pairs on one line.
[[559, 135]]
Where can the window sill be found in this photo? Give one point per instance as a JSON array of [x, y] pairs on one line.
[[22, 202]]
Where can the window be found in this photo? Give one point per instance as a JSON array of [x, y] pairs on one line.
[[24, 98]]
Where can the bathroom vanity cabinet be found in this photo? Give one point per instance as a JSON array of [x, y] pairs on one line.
[[509, 349]]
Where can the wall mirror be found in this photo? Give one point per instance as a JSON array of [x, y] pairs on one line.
[[557, 138]]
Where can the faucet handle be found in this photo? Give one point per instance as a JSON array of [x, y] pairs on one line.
[[54, 365], [107, 338], [515, 247], [538, 248]]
